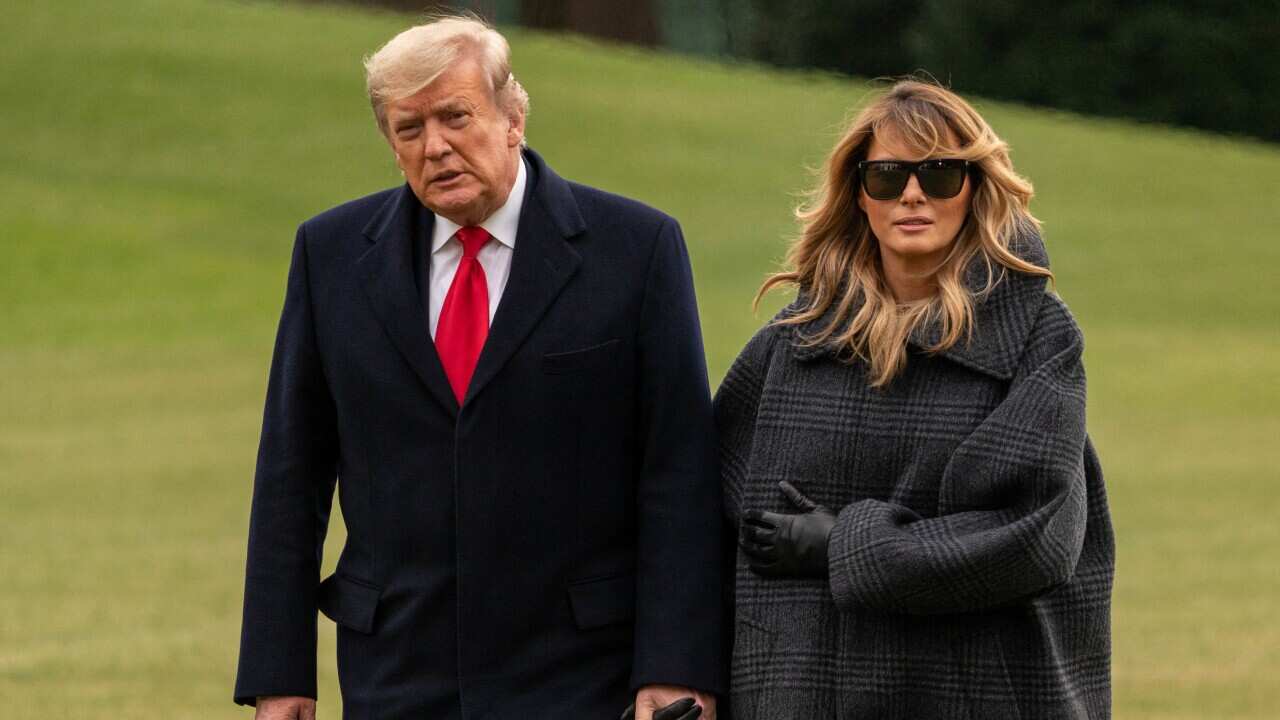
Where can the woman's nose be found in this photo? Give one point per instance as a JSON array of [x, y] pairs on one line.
[[912, 194]]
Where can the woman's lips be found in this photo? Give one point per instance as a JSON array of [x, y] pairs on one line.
[[913, 226]]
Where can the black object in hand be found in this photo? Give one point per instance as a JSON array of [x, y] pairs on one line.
[[788, 545], [682, 709]]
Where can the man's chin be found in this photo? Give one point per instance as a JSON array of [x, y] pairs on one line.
[[452, 205]]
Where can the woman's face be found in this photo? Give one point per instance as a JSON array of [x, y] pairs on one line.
[[915, 231]]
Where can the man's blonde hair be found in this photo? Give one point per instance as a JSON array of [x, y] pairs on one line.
[[413, 59], [835, 261]]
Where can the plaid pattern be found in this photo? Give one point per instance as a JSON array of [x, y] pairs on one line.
[[971, 566]]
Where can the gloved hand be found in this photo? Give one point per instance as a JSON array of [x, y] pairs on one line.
[[682, 709], [784, 545]]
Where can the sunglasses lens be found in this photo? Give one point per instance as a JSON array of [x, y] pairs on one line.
[[941, 180], [885, 181]]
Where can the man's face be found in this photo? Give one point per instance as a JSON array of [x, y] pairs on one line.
[[457, 149]]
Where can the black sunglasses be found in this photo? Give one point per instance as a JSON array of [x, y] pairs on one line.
[[886, 179]]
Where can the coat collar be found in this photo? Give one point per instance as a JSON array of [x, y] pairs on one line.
[[1002, 318], [542, 263]]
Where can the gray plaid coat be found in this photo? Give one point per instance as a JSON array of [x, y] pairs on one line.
[[971, 565]]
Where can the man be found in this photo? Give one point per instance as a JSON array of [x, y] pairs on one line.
[[502, 373]]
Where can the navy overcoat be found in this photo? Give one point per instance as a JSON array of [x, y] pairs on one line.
[[548, 546]]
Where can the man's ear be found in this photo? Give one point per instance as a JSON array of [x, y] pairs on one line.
[[515, 128]]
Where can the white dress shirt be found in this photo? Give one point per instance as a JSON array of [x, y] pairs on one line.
[[494, 257]]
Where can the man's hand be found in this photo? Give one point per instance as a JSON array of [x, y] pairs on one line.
[[285, 708], [683, 709], [782, 545], [653, 700]]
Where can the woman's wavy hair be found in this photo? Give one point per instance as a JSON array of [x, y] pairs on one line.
[[835, 261]]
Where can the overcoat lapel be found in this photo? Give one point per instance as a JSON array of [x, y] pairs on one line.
[[386, 270], [542, 263]]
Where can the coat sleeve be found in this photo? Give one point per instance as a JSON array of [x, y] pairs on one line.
[[292, 496], [1012, 510], [678, 614]]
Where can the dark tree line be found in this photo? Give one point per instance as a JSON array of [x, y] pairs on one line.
[[1212, 64], [632, 21]]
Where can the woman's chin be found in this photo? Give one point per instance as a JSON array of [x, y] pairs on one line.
[[915, 247]]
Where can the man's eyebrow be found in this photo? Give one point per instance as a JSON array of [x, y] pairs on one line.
[[395, 118], [453, 103]]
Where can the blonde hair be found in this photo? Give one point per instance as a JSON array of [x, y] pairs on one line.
[[413, 60], [835, 261]]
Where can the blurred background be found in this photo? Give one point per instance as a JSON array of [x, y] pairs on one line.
[[157, 155]]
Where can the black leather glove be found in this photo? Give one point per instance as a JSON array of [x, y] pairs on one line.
[[783, 545], [682, 709]]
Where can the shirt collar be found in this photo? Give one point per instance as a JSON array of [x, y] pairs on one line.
[[502, 224]]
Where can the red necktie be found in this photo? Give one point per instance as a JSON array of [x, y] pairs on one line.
[[464, 317]]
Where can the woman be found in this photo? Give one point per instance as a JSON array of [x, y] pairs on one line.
[[923, 528]]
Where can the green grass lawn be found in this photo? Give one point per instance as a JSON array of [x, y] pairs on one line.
[[156, 156]]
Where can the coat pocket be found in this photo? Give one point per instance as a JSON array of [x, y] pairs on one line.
[[754, 645], [349, 602], [603, 601], [983, 672], [592, 359], [753, 672]]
